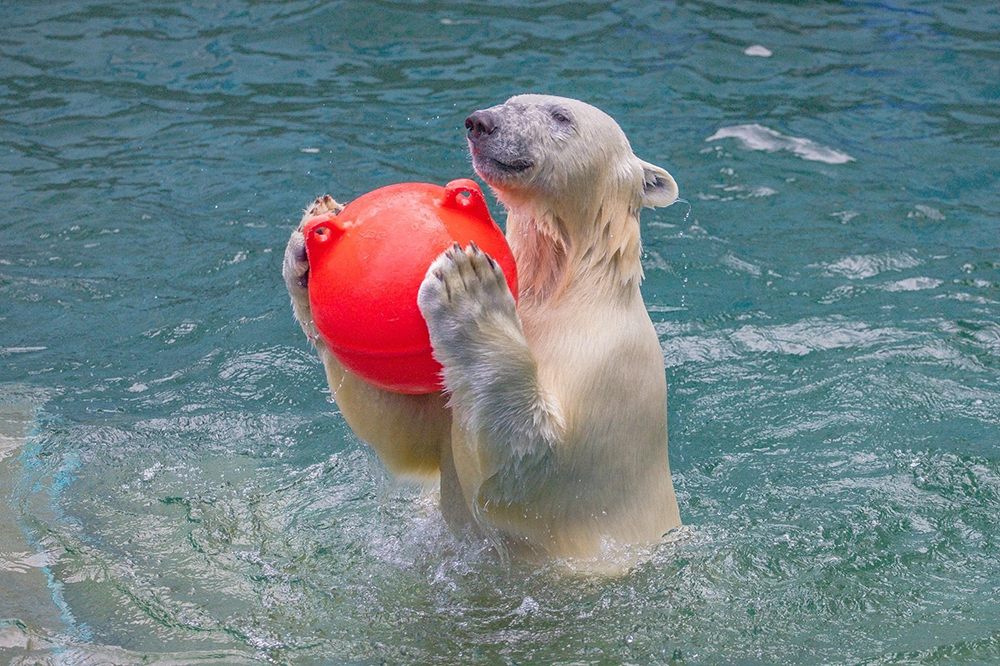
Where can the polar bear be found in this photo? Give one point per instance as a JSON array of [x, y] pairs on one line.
[[551, 434]]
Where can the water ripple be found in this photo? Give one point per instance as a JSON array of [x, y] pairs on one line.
[[758, 137]]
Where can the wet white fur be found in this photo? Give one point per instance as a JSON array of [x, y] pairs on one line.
[[553, 439]]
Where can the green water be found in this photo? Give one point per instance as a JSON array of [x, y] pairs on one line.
[[176, 488]]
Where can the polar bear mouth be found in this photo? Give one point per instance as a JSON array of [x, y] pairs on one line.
[[512, 167], [486, 165]]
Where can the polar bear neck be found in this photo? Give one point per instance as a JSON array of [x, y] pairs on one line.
[[595, 248]]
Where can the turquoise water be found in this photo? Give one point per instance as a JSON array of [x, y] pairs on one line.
[[828, 310]]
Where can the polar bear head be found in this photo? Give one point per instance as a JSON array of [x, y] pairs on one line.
[[571, 184], [561, 152]]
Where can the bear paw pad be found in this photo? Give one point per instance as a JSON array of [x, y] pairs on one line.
[[463, 294]]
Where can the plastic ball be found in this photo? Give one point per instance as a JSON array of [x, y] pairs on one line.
[[366, 265]]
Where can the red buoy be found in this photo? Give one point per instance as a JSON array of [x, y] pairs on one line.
[[366, 265]]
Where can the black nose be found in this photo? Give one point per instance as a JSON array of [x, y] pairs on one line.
[[480, 123]]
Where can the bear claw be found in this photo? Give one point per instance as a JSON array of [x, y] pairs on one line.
[[321, 206]]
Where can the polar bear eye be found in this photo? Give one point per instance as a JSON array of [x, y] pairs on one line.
[[560, 117]]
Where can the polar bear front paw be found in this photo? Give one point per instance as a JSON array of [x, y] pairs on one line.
[[323, 205], [466, 302], [295, 267]]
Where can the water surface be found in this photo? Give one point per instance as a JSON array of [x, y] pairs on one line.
[[177, 488]]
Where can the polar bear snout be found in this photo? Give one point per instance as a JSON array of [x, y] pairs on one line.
[[499, 155], [482, 122]]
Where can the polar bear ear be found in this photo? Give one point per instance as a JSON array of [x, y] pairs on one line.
[[658, 186]]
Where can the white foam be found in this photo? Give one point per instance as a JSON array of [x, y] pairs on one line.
[[862, 266], [758, 137], [758, 51], [913, 284], [921, 211], [738, 264], [795, 339], [738, 192], [809, 336], [845, 216], [528, 607]]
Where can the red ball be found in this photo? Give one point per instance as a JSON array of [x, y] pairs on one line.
[[365, 269]]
